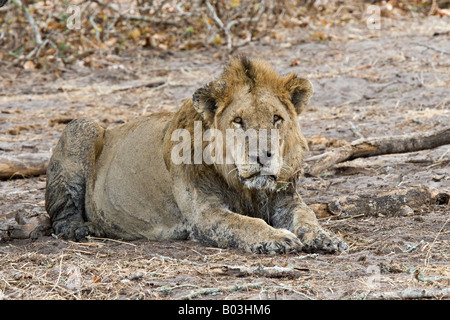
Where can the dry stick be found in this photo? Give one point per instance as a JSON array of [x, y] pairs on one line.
[[269, 272], [29, 17], [220, 24], [37, 35], [23, 165], [432, 48], [386, 203], [151, 19], [262, 8], [370, 147], [226, 28], [293, 290], [427, 257], [113, 240], [204, 291], [177, 260], [411, 294], [59, 274], [433, 8]]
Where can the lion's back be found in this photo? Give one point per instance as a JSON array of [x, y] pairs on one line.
[[133, 196]]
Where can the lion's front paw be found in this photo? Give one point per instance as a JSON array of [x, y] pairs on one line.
[[316, 239], [76, 230], [281, 241]]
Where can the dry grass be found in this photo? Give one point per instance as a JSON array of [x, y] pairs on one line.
[[104, 269]]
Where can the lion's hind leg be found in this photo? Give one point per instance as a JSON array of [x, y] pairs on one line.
[[70, 174]]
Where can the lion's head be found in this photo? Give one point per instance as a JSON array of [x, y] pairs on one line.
[[260, 107]]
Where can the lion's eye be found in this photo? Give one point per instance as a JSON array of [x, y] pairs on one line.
[[237, 120], [276, 118]]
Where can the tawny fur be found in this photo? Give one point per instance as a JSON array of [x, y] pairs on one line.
[[122, 182]]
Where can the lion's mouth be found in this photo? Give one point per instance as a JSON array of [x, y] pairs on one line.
[[258, 174], [259, 181]]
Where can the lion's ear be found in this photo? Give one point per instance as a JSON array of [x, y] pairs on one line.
[[301, 91], [205, 102]]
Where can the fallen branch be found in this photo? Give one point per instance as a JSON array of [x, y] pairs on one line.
[[260, 271], [438, 293], [392, 203], [292, 290], [137, 84], [197, 293], [262, 8], [370, 147], [428, 256], [23, 165], [227, 28], [29, 17], [151, 19], [17, 226], [432, 48], [220, 24], [398, 202]]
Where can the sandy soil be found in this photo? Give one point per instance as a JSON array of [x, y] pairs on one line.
[[367, 83]]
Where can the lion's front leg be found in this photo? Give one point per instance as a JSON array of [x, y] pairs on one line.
[[223, 228], [294, 215], [208, 220]]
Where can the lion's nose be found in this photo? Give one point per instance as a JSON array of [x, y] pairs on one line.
[[257, 159], [261, 159]]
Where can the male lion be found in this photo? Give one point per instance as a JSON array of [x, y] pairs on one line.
[[122, 182]]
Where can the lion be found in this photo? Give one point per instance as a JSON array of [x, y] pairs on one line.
[[123, 182]]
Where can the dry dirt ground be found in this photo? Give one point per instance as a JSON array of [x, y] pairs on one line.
[[367, 83]]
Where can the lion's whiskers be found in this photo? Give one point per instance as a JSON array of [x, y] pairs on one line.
[[286, 168], [231, 171]]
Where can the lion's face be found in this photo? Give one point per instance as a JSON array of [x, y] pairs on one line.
[[260, 124], [256, 111]]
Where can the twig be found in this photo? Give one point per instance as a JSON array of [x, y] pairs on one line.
[[419, 277], [176, 260], [220, 24], [411, 294], [370, 147], [433, 8], [355, 130], [292, 290], [352, 217], [226, 28], [29, 17], [432, 48], [113, 240], [151, 19], [413, 247], [94, 25], [261, 271], [205, 291], [262, 8], [36, 51], [170, 289], [59, 274], [428, 255], [89, 244], [443, 155]]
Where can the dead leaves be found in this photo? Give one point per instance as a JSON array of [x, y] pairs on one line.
[[29, 65], [170, 26]]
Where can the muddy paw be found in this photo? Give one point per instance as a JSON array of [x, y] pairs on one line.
[[76, 230], [283, 241], [320, 240]]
